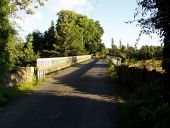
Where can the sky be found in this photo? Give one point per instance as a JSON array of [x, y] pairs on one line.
[[112, 15]]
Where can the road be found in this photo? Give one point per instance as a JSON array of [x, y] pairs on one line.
[[80, 96]]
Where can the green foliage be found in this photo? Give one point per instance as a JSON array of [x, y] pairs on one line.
[[144, 53], [25, 5], [7, 49], [26, 55], [154, 16], [8, 9], [74, 34], [149, 52], [112, 43], [68, 31], [38, 41], [72, 27], [103, 51]]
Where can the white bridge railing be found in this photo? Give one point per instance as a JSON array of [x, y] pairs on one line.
[[48, 65], [114, 60]]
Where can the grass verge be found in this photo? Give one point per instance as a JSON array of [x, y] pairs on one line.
[[9, 94]]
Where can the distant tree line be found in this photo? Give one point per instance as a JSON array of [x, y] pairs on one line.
[[130, 52]]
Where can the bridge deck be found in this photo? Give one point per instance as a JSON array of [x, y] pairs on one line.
[[77, 97]]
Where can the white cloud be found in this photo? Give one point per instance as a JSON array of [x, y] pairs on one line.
[[81, 6], [51, 7]]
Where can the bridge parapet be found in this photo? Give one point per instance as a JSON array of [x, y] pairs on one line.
[[48, 65], [114, 60]]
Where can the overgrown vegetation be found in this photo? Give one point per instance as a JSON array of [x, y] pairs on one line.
[[148, 106], [145, 80]]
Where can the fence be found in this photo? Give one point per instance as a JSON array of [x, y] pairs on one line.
[[114, 60], [48, 65]]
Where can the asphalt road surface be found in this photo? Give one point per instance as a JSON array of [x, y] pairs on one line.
[[80, 96]]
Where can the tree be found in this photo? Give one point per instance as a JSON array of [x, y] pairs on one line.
[[120, 44], [25, 5], [77, 32], [28, 57], [8, 9], [131, 52], [73, 34], [156, 18], [7, 48], [67, 30], [112, 43], [50, 46], [38, 41]]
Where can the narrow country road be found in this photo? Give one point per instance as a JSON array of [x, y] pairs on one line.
[[77, 97]]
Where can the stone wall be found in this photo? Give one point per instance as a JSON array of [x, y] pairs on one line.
[[44, 66], [20, 75], [133, 77]]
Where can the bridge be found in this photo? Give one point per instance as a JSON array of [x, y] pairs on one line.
[[81, 96]]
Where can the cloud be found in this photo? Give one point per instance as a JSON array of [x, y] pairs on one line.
[[51, 7], [80, 6]]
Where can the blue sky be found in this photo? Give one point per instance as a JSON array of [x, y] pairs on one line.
[[112, 15]]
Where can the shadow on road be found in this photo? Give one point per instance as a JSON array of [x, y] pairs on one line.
[[93, 82], [43, 110], [81, 99]]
